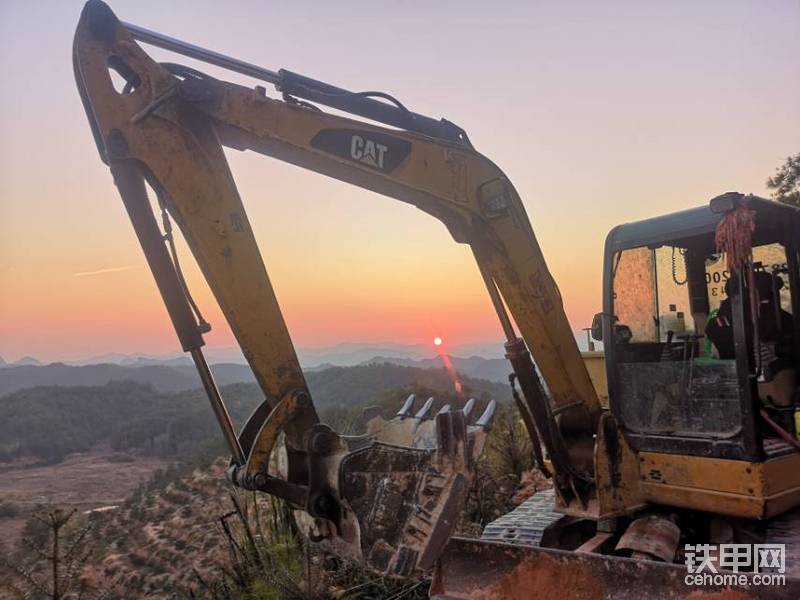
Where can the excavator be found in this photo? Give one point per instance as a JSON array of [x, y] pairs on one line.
[[684, 440]]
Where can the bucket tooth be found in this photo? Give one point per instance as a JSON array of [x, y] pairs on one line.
[[425, 409], [405, 410], [488, 415], [444, 409], [468, 408]]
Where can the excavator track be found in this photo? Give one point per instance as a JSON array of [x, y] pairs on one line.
[[526, 524]]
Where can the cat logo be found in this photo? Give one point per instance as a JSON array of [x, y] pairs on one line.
[[375, 150], [368, 152]]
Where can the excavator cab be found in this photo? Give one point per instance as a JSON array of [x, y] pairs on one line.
[[696, 352], [687, 367]]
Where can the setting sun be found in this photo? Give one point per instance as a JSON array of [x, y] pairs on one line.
[[437, 341]]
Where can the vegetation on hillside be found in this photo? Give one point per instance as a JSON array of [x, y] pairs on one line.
[[270, 560], [48, 423], [187, 533]]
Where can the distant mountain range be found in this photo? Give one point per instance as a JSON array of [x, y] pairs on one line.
[[173, 373], [340, 355], [346, 354], [163, 378], [25, 360], [170, 377]]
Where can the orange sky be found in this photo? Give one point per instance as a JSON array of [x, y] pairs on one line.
[[599, 115]]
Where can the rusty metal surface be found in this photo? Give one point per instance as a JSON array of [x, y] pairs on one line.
[[407, 500], [654, 535], [275, 423], [478, 570]]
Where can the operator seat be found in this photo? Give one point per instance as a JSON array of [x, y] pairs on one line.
[[779, 385]]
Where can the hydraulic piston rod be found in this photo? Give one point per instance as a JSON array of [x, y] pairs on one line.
[[208, 56], [359, 103], [130, 182]]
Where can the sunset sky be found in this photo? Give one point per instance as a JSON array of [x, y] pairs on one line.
[[599, 113]]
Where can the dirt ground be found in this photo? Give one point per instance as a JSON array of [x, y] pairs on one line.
[[83, 481]]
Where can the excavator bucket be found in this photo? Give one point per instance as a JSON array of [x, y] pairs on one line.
[[389, 499], [407, 488], [509, 572]]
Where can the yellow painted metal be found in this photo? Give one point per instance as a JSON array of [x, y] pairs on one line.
[[716, 474], [730, 487], [448, 182], [278, 420], [178, 150], [782, 483], [595, 363]]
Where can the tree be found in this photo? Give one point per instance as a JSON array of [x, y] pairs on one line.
[[63, 558], [786, 182]]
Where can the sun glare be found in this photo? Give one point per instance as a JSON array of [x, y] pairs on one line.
[[437, 341]]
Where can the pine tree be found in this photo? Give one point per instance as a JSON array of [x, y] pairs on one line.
[[64, 554]]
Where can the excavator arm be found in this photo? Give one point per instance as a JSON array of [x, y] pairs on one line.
[[392, 505]]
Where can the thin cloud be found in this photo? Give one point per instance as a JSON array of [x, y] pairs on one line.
[[101, 271]]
